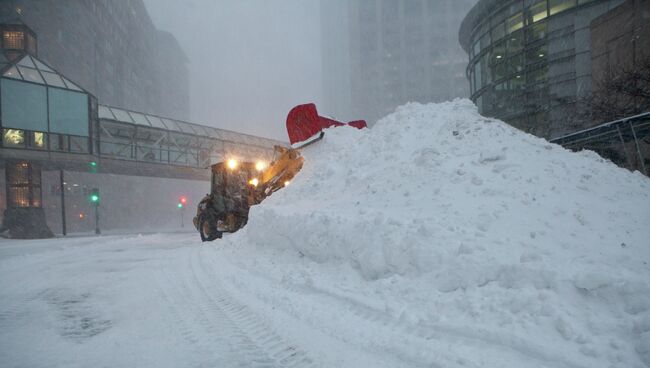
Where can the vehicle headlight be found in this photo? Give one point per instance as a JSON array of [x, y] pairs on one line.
[[232, 164], [253, 182], [260, 165]]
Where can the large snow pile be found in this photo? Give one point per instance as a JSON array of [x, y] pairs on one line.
[[475, 226]]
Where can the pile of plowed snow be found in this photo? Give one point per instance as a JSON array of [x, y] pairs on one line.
[[479, 227]]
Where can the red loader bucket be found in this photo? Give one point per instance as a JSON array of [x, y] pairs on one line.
[[303, 123]]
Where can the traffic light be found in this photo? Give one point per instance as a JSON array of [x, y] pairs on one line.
[[92, 167], [94, 196], [182, 201]]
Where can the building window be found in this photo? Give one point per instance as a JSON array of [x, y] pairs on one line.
[[498, 32], [31, 44], [537, 76], [13, 40], [515, 42], [515, 23], [78, 144], [59, 142], [515, 65], [536, 13], [498, 53], [536, 32], [38, 140], [68, 112], [13, 138], [537, 54], [476, 48], [24, 185], [485, 41], [557, 6], [23, 105]]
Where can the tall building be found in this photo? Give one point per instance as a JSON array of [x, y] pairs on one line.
[[531, 61], [379, 54], [112, 49]]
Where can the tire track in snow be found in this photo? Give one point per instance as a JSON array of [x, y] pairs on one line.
[[384, 355], [425, 336], [205, 352], [219, 331], [249, 325]]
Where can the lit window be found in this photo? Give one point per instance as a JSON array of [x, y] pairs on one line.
[[39, 140], [13, 138], [514, 23], [557, 6], [537, 12], [24, 184], [13, 40]]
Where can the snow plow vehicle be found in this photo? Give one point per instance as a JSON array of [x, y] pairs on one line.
[[236, 186]]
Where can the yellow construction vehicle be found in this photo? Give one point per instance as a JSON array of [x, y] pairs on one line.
[[236, 186]]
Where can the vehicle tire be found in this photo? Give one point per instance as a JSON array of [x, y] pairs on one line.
[[207, 230]]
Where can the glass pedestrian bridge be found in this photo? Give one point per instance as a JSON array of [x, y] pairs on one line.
[[131, 135], [44, 111]]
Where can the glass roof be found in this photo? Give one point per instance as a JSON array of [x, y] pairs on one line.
[[105, 113], [141, 119], [30, 69], [156, 122], [122, 115]]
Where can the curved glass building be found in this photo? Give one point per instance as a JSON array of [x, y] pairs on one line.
[[530, 60]]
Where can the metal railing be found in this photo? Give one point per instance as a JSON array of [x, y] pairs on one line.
[[626, 142]]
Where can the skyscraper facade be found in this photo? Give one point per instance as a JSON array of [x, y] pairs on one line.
[[112, 49], [379, 54], [531, 61]]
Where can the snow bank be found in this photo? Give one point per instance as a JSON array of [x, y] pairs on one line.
[[476, 225]]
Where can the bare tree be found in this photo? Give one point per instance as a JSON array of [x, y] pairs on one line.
[[619, 93]]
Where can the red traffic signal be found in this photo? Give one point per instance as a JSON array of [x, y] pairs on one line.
[[182, 201]]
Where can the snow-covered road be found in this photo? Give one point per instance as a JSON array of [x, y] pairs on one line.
[[166, 300], [127, 301]]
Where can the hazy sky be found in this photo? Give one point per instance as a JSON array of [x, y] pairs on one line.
[[251, 61]]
